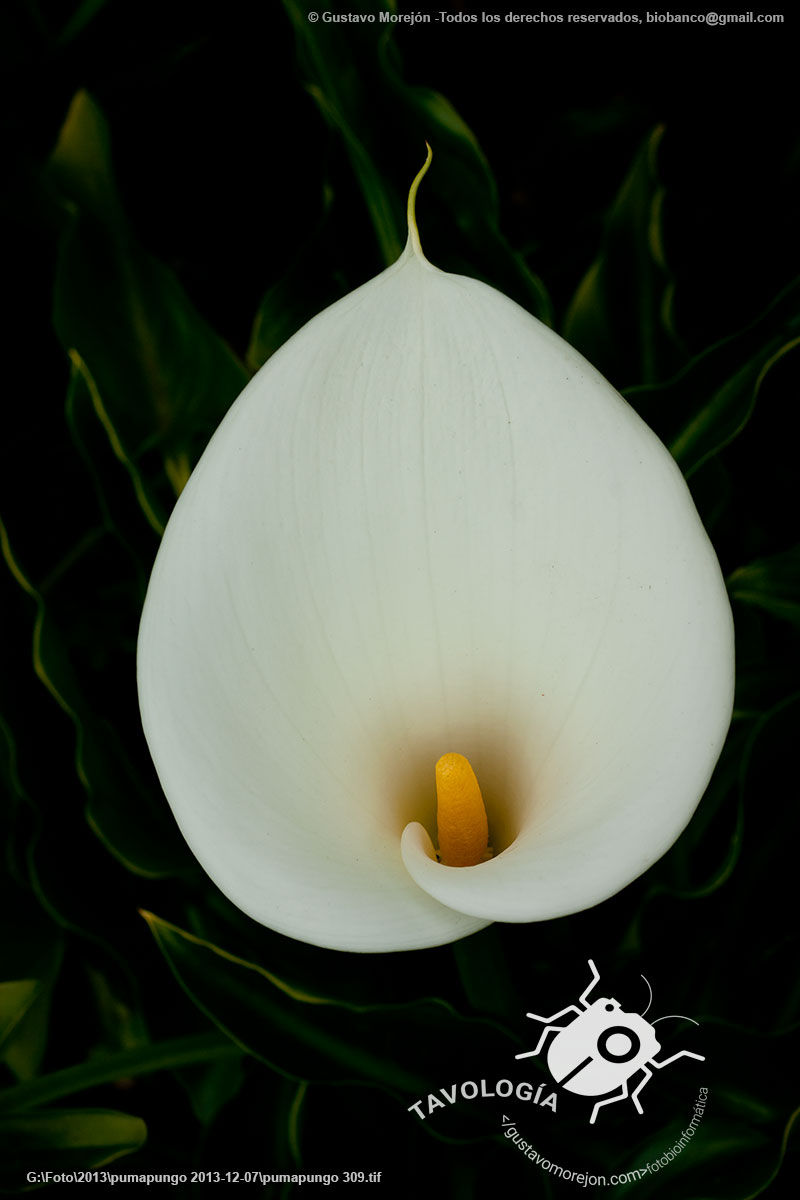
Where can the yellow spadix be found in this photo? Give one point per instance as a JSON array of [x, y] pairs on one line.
[[460, 814]]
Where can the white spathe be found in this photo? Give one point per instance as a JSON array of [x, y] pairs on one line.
[[429, 525]]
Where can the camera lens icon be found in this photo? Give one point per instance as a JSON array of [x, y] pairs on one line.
[[618, 1044]]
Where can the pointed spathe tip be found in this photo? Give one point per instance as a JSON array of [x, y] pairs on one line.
[[413, 233]]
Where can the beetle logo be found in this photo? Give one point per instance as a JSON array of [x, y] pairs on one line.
[[602, 1048]]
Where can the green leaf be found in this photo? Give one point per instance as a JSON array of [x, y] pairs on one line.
[[708, 404], [119, 1024], [745, 1123], [727, 412], [790, 1132], [145, 490], [307, 1037], [64, 1140], [694, 1171], [169, 1055], [771, 584], [24, 1047], [341, 97], [617, 315], [84, 14], [301, 293], [768, 858], [161, 378], [111, 473], [484, 973], [31, 957], [120, 808], [721, 811], [211, 1085], [16, 997]]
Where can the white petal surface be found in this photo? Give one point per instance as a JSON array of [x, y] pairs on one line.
[[429, 525]]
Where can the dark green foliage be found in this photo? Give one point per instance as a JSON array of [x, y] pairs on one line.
[[184, 192]]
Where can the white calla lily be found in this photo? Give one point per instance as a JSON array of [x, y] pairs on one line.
[[429, 525]]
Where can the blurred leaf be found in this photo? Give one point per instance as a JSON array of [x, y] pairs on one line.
[[695, 1171], [120, 808], [770, 747], [119, 1025], [211, 1085], [14, 792], [713, 494], [726, 414], [16, 997], [726, 834], [710, 402], [13, 816], [721, 794], [81, 379], [762, 679], [294, 1121], [106, 1068], [138, 832], [161, 378], [748, 905], [110, 475], [484, 973], [31, 955], [744, 1123], [771, 584], [293, 300], [64, 1140], [60, 869], [617, 315], [309, 1038], [23, 1046], [341, 96], [790, 1132], [83, 15]]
